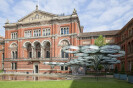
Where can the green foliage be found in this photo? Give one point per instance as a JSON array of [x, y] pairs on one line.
[[122, 69], [100, 41], [1, 71], [116, 69], [100, 67]]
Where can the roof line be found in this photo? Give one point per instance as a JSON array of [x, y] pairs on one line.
[[35, 11], [102, 31]]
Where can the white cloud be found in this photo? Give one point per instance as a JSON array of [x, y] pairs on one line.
[[113, 13], [4, 6], [96, 5], [2, 21], [95, 15], [98, 28], [59, 6], [23, 8]]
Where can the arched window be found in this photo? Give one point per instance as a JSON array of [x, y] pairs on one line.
[[47, 54], [14, 53], [64, 43], [38, 50], [29, 51], [63, 54], [47, 49]]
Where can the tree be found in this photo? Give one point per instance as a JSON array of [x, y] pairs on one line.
[[100, 41], [100, 67]]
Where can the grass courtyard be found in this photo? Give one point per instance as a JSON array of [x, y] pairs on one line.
[[81, 83]]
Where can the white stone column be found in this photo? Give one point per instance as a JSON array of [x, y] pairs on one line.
[[42, 52], [33, 56]]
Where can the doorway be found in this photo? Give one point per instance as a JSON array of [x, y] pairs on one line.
[[36, 69]]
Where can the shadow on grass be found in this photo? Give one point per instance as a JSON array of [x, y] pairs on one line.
[[101, 82]]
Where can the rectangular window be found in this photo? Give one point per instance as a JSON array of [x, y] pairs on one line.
[[16, 55], [27, 33], [66, 68], [37, 32], [67, 30], [13, 55], [61, 31], [3, 56], [48, 54], [62, 67], [14, 35], [39, 54], [13, 66], [30, 54], [66, 55], [64, 30], [46, 31]]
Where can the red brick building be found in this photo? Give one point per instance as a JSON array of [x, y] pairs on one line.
[[40, 36], [1, 53], [124, 38]]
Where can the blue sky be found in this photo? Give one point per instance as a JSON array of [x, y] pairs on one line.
[[94, 15]]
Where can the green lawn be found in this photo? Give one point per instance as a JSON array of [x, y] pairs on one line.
[[82, 83], [1, 71]]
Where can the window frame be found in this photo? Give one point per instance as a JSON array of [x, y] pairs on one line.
[[28, 33], [64, 30], [37, 32], [46, 32], [14, 35]]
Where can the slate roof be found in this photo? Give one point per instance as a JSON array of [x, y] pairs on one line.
[[105, 33]]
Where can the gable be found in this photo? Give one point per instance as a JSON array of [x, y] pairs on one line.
[[37, 16]]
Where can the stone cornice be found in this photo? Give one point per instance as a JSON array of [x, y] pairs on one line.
[[37, 12], [54, 20], [56, 35]]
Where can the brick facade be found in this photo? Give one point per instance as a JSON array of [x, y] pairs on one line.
[[28, 43], [125, 39], [1, 52]]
